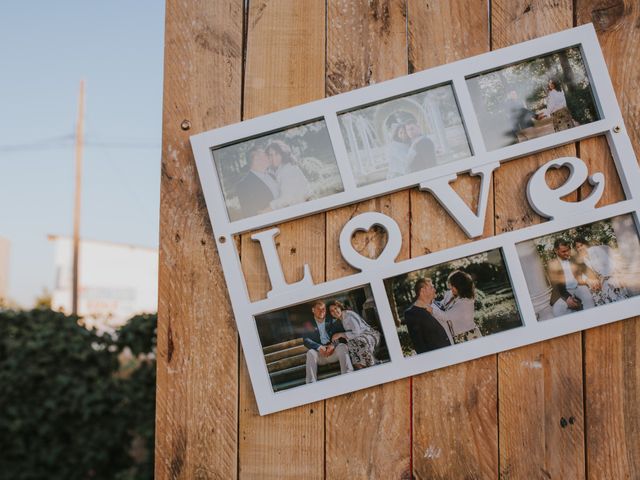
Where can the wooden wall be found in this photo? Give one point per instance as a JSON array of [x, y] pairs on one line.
[[566, 408]]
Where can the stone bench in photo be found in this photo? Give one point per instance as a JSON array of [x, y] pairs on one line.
[[286, 363]]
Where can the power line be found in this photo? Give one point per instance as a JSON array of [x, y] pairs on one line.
[[142, 145], [66, 141], [51, 142]]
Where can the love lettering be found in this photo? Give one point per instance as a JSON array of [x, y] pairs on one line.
[[546, 201]]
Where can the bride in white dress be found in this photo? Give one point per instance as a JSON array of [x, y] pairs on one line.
[[601, 259], [293, 185]]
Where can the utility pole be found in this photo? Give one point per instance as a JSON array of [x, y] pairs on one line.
[[77, 200]]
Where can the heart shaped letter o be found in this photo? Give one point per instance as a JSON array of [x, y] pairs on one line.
[[364, 222]]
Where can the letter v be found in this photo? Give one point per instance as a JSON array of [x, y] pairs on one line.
[[472, 223]]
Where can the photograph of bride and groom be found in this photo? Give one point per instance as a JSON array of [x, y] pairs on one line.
[[583, 267], [452, 302], [278, 170], [405, 135], [322, 338]]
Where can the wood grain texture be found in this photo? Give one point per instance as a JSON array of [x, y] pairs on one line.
[[207, 423], [541, 410], [368, 432], [366, 43], [612, 376], [284, 67], [454, 409], [197, 340], [445, 31], [612, 352], [616, 22], [611, 373], [541, 384]]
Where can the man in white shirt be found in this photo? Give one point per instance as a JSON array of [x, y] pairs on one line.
[[570, 281], [318, 341]]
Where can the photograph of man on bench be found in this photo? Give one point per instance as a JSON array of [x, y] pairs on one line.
[[322, 338], [534, 98]]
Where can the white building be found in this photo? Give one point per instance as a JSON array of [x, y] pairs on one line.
[[4, 269], [116, 281]]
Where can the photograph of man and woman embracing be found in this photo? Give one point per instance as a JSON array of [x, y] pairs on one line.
[[453, 302], [322, 338], [404, 135], [583, 267], [277, 170]]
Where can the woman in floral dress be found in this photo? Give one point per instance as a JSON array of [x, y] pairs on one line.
[[360, 337]]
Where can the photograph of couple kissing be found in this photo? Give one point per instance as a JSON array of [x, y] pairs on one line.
[[277, 170]]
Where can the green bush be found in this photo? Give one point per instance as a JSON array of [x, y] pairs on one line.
[[69, 408]]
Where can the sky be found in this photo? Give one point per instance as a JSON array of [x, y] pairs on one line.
[[46, 48]]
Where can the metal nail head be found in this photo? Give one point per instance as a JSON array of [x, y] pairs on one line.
[[617, 129], [185, 125]]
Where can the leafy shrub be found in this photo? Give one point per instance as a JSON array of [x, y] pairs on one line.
[[67, 410]]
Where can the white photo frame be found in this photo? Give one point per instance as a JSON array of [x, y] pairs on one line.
[[609, 124]]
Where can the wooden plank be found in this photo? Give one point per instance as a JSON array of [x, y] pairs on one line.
[[612, 355], [368, 432], [541, 384], [284, 67], [454, 416], [611, 359], [454, 409], [617, 25], [203, 40]]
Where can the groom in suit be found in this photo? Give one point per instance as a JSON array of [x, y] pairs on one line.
[[318, 340], [422, 151], [570, 281], [258, 187], [425, 331]]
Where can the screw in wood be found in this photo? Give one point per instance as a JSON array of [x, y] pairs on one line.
[[185, 125]]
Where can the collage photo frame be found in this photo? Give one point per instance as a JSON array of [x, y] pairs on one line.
[[392, 319]]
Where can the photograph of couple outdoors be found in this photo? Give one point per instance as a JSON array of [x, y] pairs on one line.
[[321, 339], [533, 98], [452, 303], [277, 170], [583, 267], [405, 135]]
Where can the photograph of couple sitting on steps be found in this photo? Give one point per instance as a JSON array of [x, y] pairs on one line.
[[322, 338]]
